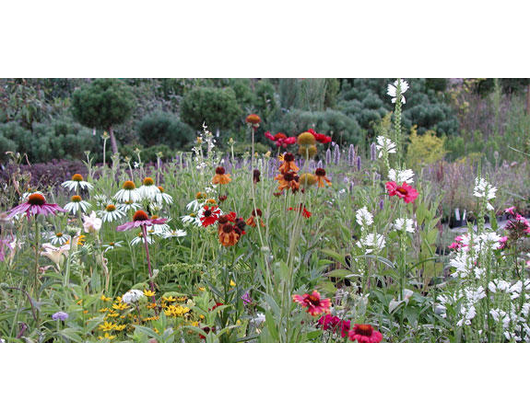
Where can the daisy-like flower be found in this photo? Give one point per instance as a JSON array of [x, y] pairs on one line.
[[128, 206], [140, 219], [405, 191], [392, 90], [132, 296], [365, 333], [288, 164], [320, 173], [77, 183], [280, 139], [191, 219], [111, 213], [314, 304], [199, 201], [253, 120], [140, 239], [228, 235], [128, 193], [221, 177], [101, 200], [162, 197], [399, 177], [58, 238], [331, 322], [209, 215], [288, 180], [256, 214], [175, 233], [404, 225], [385, 145], [36, 204], [148, 189], [77, 204], [483, 189], [112, 245]]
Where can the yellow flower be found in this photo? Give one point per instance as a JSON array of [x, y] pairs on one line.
[[120, 306], [151, 305], [148, 293], [120, 327], [113, 314], [104, 310], [107, 336], [169, 299], [232, 283], [175, 311], [156, 330], [202, 289], [105, 299], [107, 326], [80, 302]]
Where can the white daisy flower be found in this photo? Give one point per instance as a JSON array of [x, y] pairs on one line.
[[148, 189], [392, 90], [399, 177], [128, 206], [364, 217], [404, 225], [132, 296], [176, 233], [112, 245], [77, 183], [77, 204], [140, 239], [162, 197], [191, 219], [111, 213], [101, 200], [58, 238], [129, 192]]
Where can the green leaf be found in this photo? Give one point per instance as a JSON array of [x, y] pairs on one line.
[[340, 273]]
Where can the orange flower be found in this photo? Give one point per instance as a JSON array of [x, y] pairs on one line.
[[288, 164], [251, 221], [220, 176], [321, 177], [228, 235], [253, 119], [288, 180]]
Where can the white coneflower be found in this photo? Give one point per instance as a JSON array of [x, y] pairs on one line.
[[176, 233], [399, 177], [111, 213], [101, 200], [129, 192], [191, 219], [158, 230], [132, 296], [392, 90], [385, 145], [111, 246], [364, 217], [77, 183], [162, 197], [77, 204], [404, 225], [58, 238], [140, 239], [128, 206], [148, 189]]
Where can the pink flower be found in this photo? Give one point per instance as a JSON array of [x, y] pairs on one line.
[[405, 191], [510, 210], [502, 242], [280, 139], [365, 333], [332, 322], [140, 219], [313, 303], [35, 205], [91, 223]]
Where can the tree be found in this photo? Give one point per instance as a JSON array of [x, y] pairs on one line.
[[103, 104]]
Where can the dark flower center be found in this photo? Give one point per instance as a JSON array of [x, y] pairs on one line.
[[220, 170], [401, 190], [76, 199], [227, 228], [36, 199], [207, 213], [59, 234], [313, 300], [140, 215], [288, 177], [320, 172], [257, 211], [288, 157], [364, 329], [110, 207], [129, 185], [77, 177], [149, 181], [161, 189]]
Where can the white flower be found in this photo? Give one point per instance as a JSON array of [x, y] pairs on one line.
[[58, 238], [364, 217], [372, 243], [195, 205], [56, 254], [392, 90], [132, 296], [176, 233], [111, 213], [140, 239], [385, 145], [91, 223], [404, 225], [77, 204], [148, 191], [484, 189], [192, 218], [500, 315], [127, 195], [127, 206], [112, 245], [101, 200], [399, 177], [77, 185], [462, 263], [162, 198]]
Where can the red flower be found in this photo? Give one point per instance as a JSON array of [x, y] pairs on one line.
[[365, 333], [321, 138], [313, 303], [209, 215], [332, 322], [306, 213], [405, 191], [280, 139]]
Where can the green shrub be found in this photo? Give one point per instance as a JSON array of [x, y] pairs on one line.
[[6, 145], [149, 154], [164, 128]]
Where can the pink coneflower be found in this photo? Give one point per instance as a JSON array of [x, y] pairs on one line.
[[365, 333], [35, 205], [405, 191], [140, 219], [313, 303]]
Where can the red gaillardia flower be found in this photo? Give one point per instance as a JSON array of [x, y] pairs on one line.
[[280, 139], [365, 333], [313, 303], [209, 215], [321, 138], [321, 177], [35, 205], [251, 221], [288, 180], [330, 322], [405, 191], [228, 235], [306, 213]]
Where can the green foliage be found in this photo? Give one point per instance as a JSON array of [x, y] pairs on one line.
[[164, 128], [424, 149], [217, 107], [103, 103]]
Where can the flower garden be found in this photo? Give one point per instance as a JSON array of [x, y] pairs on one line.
[[309, 241]]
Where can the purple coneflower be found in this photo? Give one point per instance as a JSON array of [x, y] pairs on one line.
[[35, 205]]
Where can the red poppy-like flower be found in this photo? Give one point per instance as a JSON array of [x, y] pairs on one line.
[[280, 139], [306, 213], [35, 205], [209, 215], [313, 303], [140, 219], [365, 333], [321, 138], [405, 191]]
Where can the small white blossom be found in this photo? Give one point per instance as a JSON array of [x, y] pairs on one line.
[[392, 90], [373, 242], [404, 225], [399, 177], [385, 145], [364, 217], [132, 296]]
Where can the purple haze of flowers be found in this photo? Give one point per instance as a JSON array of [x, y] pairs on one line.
[[336, 154], [328, 157], [60, 316], [358, 163], [246, 298], [351, 155], [372, 152]]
